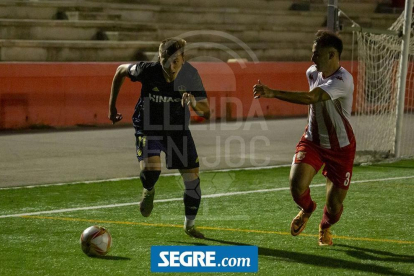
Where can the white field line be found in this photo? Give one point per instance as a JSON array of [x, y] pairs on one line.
[[179, 199], [137, 177]]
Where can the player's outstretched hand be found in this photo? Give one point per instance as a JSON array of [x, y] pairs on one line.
[[188, 99], [114, 116], [261, 90]]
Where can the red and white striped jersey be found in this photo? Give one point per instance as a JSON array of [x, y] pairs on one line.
[[329, 121]]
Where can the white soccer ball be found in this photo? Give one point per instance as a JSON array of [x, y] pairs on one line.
[[96, 241]]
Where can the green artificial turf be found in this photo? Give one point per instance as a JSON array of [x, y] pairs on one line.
[[373, 237]]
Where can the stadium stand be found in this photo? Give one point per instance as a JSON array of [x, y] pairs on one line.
[[120, 30]]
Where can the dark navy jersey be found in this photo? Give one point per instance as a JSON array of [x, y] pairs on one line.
[[159, 107]]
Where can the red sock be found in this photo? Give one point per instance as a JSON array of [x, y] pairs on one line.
[[304, 201], [328, 219]]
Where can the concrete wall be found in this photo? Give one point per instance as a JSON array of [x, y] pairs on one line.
[[69, 94]]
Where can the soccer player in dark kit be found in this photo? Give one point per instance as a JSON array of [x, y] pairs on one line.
[[161, 118]]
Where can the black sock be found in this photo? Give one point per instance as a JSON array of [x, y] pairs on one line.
[[192, 198], [149, 178]]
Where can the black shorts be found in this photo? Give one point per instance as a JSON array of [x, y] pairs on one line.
[[179, 148]]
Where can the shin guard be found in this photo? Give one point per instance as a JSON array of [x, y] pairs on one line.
[[328, 219], [149, 178], [192, 198]]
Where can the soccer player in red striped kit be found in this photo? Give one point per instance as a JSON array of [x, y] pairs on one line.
[[328, 137]]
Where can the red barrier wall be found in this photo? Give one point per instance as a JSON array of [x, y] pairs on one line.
[[68, 94]]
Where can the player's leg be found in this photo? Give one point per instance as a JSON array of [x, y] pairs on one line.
[[332, 211], [148, 154], [192, 200], [181, 154], [150, 171], [306, 164], [301, 176], [338, 173]]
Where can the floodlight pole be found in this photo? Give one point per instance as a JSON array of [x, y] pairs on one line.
[[332, 18], [402, 78]]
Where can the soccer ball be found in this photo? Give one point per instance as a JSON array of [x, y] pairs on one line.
[[95, 241]]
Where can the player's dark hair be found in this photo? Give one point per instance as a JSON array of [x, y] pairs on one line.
[[170, 46], [325, 38]]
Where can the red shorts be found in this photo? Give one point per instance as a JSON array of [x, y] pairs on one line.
[[338, 163]]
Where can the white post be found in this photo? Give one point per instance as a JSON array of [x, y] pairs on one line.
[[332, 17], [405, 47]]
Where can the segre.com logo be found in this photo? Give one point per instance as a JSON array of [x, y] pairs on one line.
[[204, 259]]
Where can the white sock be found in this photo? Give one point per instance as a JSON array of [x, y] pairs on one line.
[[189, 222]]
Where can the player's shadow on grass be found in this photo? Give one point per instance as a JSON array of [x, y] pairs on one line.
[[374, 255], [310, 259], [112, 258]]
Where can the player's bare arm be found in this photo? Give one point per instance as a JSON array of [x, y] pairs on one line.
[[202, 108], [120, 74], [315, 95]]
